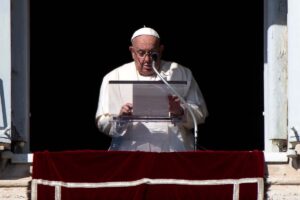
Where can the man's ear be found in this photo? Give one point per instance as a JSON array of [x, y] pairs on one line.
[[132, 52], [161, 49]]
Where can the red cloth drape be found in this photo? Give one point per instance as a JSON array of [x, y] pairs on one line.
[[110, 166]]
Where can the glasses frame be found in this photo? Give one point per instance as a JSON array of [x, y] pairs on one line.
[[143, 53]]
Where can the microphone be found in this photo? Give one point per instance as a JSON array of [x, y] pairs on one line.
[[154, 57]]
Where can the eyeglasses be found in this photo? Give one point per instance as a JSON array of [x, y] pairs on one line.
[[143, 53]]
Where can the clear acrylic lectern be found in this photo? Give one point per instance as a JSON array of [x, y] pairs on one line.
[[149, 99]]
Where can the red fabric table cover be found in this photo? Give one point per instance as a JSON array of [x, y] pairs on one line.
[[145, 175]]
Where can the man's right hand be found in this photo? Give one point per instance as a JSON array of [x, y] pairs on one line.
[[126, 109]]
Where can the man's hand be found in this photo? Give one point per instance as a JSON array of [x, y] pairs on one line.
[[174, 106], [126, 109]]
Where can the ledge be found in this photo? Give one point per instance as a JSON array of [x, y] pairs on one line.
[[24, 182], [276, 157], [283, 181]]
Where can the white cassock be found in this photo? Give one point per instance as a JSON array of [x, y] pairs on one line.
[[150, 136]]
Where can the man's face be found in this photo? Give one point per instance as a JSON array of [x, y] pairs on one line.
[[141, 50]]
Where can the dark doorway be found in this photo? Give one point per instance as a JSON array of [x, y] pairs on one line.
[[73, 45]]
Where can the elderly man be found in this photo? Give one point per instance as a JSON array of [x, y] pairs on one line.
[[157, 136]]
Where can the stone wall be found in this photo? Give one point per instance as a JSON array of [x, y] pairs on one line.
[[282, 182], [15, 181]]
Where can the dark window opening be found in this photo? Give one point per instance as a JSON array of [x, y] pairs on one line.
[[73, 45]]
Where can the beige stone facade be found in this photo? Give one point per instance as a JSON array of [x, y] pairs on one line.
[[15, 181], [282, 182]]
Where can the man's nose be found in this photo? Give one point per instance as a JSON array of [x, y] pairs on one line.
[[148, 57]]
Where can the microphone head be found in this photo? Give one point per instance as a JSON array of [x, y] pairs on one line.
[[154, 56]]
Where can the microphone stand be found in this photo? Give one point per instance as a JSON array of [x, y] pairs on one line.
[[154, 57]]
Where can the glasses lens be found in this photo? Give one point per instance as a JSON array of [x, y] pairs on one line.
[[142, 53]]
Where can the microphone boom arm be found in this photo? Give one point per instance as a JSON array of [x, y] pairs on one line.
[[182, 100]]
